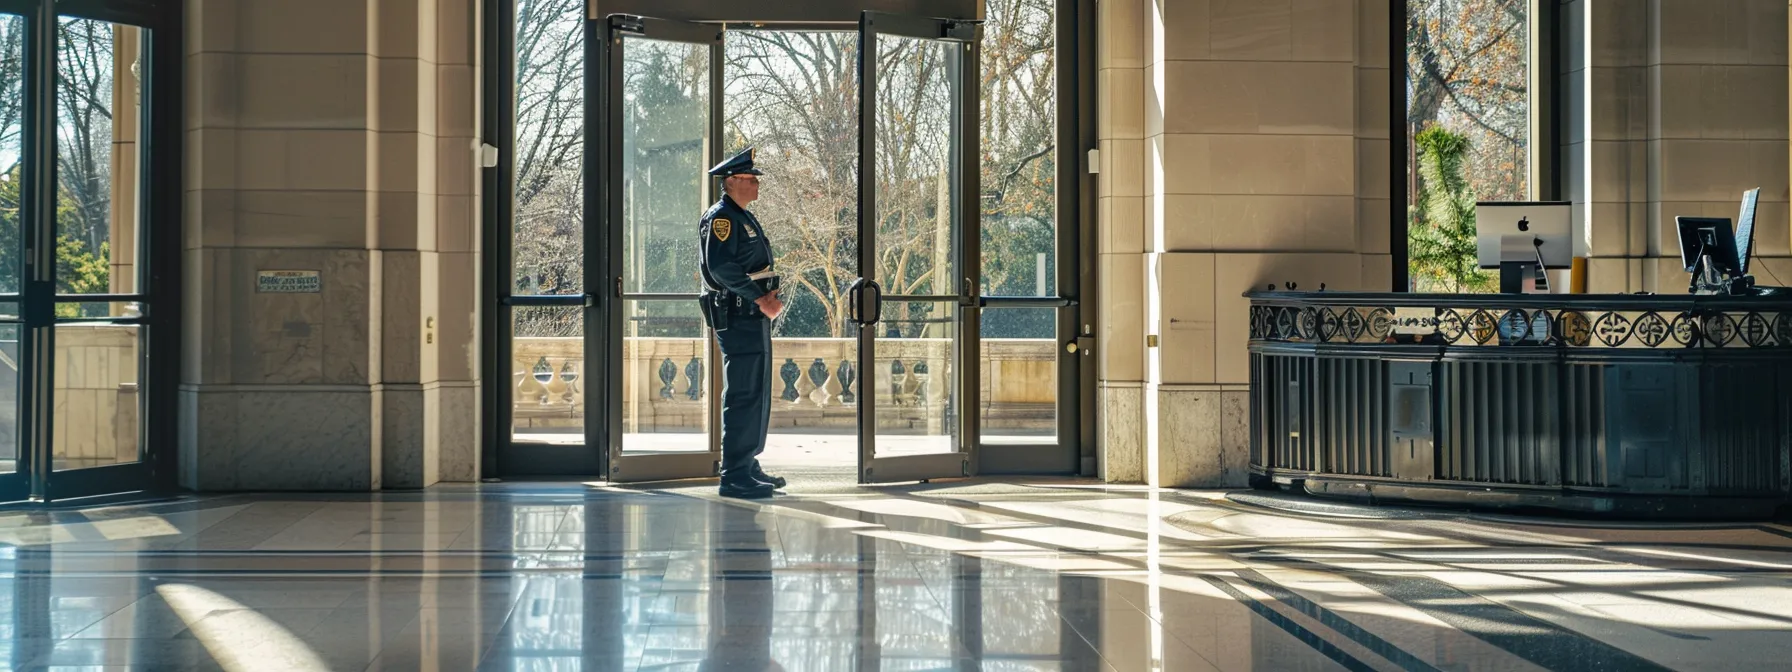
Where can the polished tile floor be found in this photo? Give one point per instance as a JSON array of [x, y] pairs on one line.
[[1047, 575]]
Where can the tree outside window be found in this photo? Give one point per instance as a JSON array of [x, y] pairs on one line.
[[1468, 69]]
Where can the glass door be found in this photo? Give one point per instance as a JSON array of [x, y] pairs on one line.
[[662, 125], [87, 343], [97, 362], [915, 300], [16, 40]]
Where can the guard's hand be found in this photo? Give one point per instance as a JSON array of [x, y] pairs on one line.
[[771, 305]]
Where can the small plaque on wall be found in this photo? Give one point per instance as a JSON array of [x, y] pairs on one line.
[[289, 282]]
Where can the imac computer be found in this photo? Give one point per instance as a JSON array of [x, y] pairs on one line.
[[1523, 239]]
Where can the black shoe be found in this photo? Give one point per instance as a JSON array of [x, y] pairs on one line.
[[750, 489], [776, 481]]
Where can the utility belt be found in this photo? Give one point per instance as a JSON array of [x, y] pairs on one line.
[[721, 308]]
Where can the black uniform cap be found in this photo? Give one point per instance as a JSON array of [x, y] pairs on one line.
[[741, 164]]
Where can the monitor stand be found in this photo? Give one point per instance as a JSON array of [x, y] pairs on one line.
[[1522, 273], [1707, 280], [1522, 277]]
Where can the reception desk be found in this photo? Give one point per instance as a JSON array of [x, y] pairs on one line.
[[1620, 405]]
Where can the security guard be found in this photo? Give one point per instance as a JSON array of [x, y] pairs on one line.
[[740, 303]]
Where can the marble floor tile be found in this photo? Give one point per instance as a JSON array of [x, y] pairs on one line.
[[1054, 577]]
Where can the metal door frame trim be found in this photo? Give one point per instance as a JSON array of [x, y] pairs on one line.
[[610, 338], [966, 180]]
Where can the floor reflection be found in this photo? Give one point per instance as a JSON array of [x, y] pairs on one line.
[[1058, 576]]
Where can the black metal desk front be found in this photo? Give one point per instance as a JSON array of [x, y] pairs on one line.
[[1632, 405]]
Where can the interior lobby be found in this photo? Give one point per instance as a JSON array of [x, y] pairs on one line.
[[1121, 335]]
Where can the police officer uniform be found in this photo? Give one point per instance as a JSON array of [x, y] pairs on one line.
[[737, 271]]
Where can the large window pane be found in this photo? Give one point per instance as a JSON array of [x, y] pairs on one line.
[[12, 118], [9, 392], [97, 406], [1019, 372], [1469, 108], [98, 105], [549, 211], [1019, 132], [914, 171], [665, 377], [915, 378], [548, 375], [665, 138]]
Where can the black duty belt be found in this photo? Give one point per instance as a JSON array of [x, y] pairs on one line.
[[721, 309]]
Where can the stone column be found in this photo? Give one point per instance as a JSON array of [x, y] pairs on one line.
[[1676, 107], [1265, 159], [1121, 212], [316, 143]]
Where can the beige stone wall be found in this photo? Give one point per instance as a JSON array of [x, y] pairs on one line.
[[1675, 108], [1243, 142], [334, 136]]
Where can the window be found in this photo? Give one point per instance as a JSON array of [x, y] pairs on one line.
[[1468, 121]]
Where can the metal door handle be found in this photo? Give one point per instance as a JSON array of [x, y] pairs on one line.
[[852, 300], [861, 311], [875, 306]]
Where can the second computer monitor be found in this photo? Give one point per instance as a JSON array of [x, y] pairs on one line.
[[1517, 226], [1745, 229], [1709, 236]]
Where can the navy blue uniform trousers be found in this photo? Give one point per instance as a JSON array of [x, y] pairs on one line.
[[746, 392]]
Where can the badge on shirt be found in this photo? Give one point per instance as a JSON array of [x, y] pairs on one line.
[[723, 228], [752, 232]]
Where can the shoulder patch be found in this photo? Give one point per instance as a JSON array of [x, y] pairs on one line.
[[722, 228]]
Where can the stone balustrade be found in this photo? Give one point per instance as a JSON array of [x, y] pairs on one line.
[[816, 384], [97, 408]]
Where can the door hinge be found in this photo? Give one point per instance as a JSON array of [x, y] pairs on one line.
[[630, 24], [1094, 161]]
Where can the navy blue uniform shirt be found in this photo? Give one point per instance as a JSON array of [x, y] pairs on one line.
[[733, 246]]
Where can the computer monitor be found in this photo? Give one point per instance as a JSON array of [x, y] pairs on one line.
[[1708, 236], [1507, 230], [1745, 229]]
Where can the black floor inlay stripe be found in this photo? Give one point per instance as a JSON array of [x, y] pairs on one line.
[[1331, 619], [1288, 625], [1548, 645]]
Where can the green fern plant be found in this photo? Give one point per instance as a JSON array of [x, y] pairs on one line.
[[1441, 227]]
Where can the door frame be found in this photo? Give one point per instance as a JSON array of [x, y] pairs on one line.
[[964, 172], [605, 331], [1073, 452], [157, 235]]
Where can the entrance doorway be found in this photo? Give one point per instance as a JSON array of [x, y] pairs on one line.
[[930, 332], [89, 189]]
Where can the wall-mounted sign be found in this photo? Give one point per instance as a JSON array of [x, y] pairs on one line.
[[1415, 321], [289, 282]]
